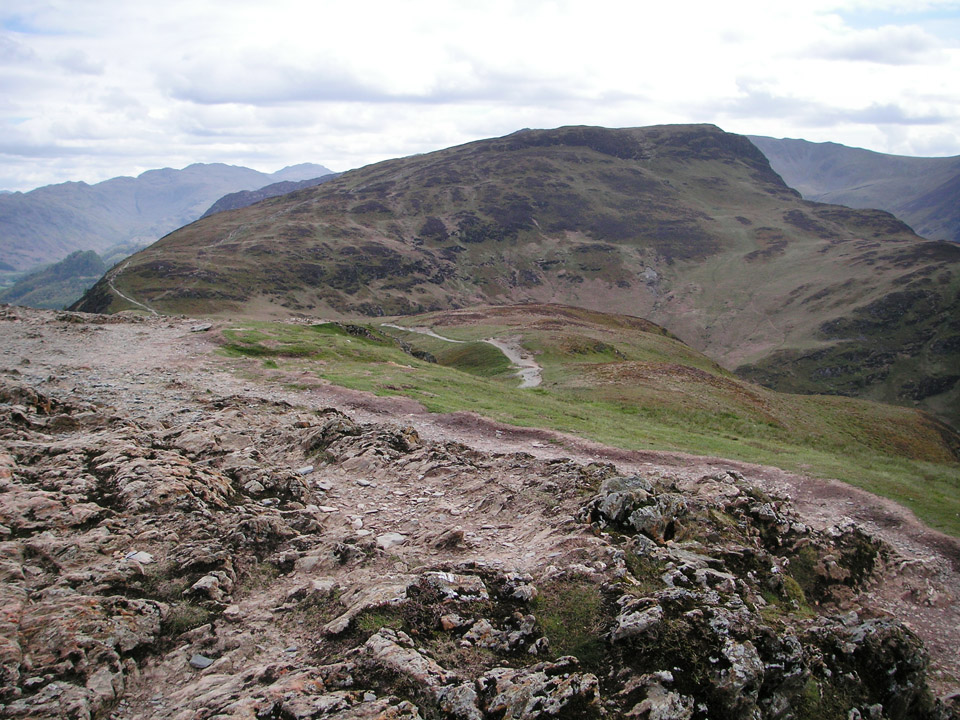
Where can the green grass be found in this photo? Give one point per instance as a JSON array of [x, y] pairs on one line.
[[673, 400], [184, 616], [570, 614]]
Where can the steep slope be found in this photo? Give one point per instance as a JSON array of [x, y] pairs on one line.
[[47, 224], [243, 198], [685, 225], [923, 192]]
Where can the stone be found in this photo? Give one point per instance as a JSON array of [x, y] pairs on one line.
[[635, 622], [538, 692], [200, 662], [393, 651], [390, 540], [139, 556], [254, 487], [451, 621], [519, 632], [455, 587], [740, 682], [631, 503], [215, 586], [720, 581], [450, 539], [662, 704], [459, 702]]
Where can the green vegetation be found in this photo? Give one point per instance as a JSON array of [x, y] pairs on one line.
[[57, 285], [370, 621], [570, 614], [314, 611], [258, 577], [161, 582], [631, 386], [184, 616], [687, 225], [647, 574]]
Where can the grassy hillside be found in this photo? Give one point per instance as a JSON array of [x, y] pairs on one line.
[[686, 225], [58, 285], [626, 382]]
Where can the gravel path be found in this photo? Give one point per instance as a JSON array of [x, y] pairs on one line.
[[528, 370]]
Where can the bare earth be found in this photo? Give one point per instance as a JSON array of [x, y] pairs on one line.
[[154, 368]]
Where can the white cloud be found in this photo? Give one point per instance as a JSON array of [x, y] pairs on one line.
[[77, 61], [98, 88], [889, 45]]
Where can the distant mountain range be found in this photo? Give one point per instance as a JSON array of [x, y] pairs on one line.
[[49, 223], [687, 226], [237, 200], [923, 192]]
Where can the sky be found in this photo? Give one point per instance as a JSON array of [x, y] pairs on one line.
[[93, 89]]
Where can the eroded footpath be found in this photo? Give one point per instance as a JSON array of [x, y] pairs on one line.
[[180, 538]]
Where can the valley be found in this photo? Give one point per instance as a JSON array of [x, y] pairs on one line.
[[921, 191]]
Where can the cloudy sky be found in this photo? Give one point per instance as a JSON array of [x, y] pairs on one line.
[[92, 89]]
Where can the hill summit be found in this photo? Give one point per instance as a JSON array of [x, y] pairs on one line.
[[685, 225]]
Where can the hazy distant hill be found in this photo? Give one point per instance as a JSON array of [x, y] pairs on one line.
[[923, 192], [47, 224], [243, 198], [687, 226], [56, 286]]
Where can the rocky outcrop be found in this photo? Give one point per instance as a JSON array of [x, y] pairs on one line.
[[244, 563]]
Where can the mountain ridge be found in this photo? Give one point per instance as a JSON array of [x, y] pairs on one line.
[[243, 198], [688, 226], [48, 223], [924, 192], [59, 284]]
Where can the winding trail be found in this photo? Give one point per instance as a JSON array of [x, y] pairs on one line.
[[528, 370], [127, 297]]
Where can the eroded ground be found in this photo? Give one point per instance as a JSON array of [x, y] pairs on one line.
[[181, 539]]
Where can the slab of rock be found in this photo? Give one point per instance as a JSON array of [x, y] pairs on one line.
[[390, 540], [538, 692], [200, 662], [393, 651]]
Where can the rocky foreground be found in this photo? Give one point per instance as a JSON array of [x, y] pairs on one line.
[[174, 546]]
